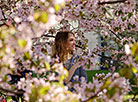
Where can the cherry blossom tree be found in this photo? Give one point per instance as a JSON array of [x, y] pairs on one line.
[[28, 73]]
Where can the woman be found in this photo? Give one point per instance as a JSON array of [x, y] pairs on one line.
[[64, 48]]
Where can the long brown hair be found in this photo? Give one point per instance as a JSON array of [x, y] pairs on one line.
[[59, 47]]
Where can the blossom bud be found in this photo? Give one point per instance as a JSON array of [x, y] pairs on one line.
[[127, 49]]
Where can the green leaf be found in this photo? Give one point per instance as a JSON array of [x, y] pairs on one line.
[[81, 14], [22, 43], [34, 95], [27, 56], [41, 16], [38, 62], [5, 78], [88, 89], [44, 90], [126, 72], [91, 100], [57, 7], [106, 65], [36, 15], [47, 66], [130, 14], [2, 53], [44, 17], [111, 92], [134, 69], [136, 58], [106, 84], [134, 49], [35, 63], [119, 55]]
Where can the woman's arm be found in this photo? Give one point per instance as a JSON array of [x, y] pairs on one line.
[[71, 71], [83, 74]]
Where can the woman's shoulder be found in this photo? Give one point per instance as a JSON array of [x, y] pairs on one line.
[[76, 56]]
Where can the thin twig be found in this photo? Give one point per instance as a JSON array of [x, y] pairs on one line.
[[91, 97], [104, 56], [115, 34], [112, 2], [49, 36], [3, 13]]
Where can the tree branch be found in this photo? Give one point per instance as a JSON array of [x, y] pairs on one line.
[[91, 97], [112, 2], [49, 36], [115, 34], [3, 14], [10, 91], [105, 56]]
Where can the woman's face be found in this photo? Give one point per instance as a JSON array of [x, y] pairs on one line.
[[71, 43]]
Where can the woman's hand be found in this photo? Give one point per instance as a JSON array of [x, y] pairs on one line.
[[76, 65], [72, 70]]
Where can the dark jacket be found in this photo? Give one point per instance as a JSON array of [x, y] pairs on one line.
[[79, 71]]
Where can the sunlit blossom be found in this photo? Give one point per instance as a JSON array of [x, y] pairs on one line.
[[127, 49]]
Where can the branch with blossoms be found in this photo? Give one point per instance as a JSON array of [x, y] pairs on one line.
[[9, 91], [101, 86], [12, 92], [92, 97]]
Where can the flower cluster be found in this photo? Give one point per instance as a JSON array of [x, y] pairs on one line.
[[110, 87]]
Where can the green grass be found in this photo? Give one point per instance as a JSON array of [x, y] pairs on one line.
[[91, 73]]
